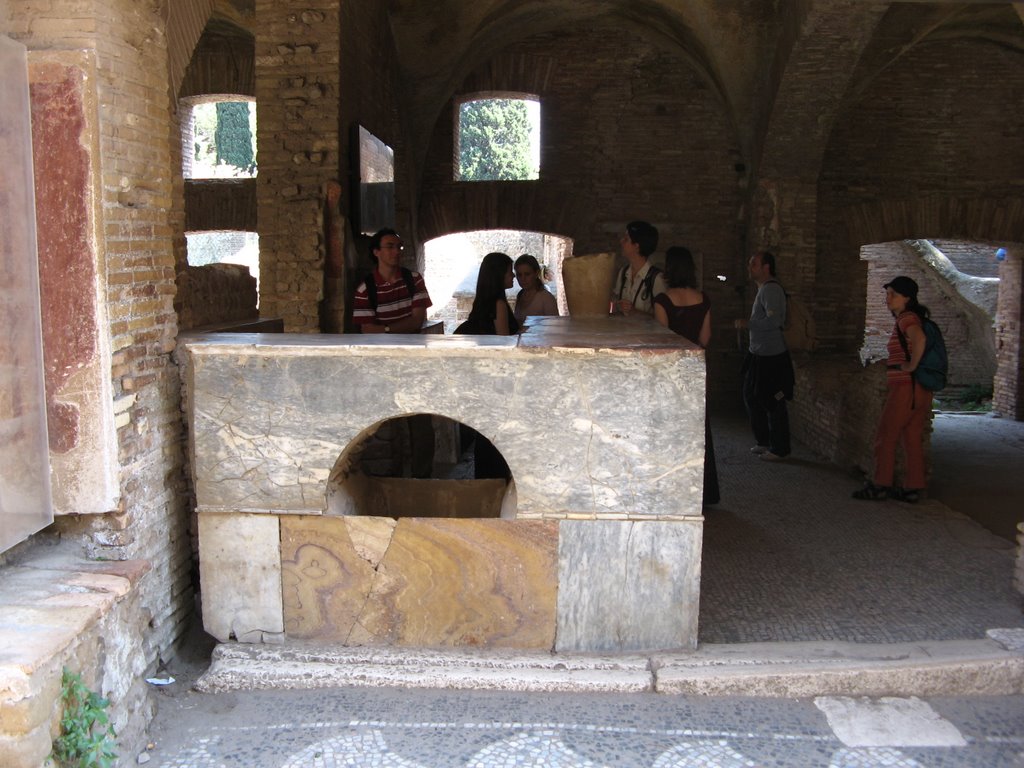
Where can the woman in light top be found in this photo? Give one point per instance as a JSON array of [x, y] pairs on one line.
[[534, 298]]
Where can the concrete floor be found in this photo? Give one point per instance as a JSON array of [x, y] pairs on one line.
[[789, 555], [978, 469]]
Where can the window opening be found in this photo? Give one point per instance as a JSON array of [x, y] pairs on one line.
[[498, 139], [219, 138], [451, 264]]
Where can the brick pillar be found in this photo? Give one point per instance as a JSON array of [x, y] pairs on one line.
[[297, 103], [1008, 387]]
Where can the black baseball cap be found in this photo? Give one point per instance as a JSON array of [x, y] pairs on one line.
[[904, 286]]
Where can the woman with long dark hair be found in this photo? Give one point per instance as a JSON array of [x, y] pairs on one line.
[[685, 309], [491, 314], [907, 403]]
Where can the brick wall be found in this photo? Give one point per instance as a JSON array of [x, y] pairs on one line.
[[137, 230], [1008, 396], [944, 123], [977, 259], [628, 131]]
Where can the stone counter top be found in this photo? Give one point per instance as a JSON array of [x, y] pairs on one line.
[[610, 335], [597, 418]]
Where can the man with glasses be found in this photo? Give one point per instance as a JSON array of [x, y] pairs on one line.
[[639, 281], [392, 299]]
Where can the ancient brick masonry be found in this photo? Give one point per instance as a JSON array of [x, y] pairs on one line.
[[298, 139]]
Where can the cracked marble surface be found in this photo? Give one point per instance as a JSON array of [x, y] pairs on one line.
[[273, 414]]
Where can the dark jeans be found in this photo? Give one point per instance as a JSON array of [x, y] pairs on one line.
[[765, 382]]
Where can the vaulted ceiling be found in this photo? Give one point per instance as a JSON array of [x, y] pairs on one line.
[[772, 62]]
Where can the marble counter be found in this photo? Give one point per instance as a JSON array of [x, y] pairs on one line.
[[600, 421]]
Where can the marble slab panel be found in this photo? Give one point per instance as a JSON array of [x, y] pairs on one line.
[[273, 416], [420, 582], [25, 504], [240, 571], [72, 276], [628, 586]]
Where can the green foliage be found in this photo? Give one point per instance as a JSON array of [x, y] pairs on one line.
[[86, 737], [974, 398], [224, 136], [494, 141], [233, 136]]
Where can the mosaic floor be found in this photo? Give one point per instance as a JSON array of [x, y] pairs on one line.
[[787, 556], [311, 730]]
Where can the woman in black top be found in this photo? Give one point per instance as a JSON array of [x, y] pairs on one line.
[[685, 309], [491, 314]]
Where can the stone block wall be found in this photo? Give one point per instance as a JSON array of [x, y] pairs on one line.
[[218, 293]]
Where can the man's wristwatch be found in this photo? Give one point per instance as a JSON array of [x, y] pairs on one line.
[[387, 329]]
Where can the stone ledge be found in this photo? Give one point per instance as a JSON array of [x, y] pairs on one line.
[[950, 667], [51, 602], [957, 667], [248, 667]]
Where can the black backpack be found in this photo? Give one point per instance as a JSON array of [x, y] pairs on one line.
[[647, 289], [933, 366], [371, 286]]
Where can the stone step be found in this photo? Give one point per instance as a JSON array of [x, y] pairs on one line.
[[991, 666]]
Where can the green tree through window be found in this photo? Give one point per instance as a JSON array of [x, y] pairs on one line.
[[497, 140], [233, 135], [223, 140]]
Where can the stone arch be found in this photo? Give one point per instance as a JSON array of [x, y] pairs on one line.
[[999, 219], [351, 491], [985, 219], [524, 205]]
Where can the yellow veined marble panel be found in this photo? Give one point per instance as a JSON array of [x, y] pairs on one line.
[[487, 583], [327, 572], [420, 582]]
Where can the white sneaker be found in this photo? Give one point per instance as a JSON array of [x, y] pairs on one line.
[[759, 449]]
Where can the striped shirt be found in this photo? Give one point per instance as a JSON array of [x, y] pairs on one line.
[[393, 302], [897, 356]]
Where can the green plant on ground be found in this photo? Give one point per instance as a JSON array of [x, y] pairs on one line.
[[86, 736], [973, 398]]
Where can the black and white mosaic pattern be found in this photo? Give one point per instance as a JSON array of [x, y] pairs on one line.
[[276, 729]]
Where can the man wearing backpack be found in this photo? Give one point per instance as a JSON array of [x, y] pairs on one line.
[[639, 281], [391, 299]]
